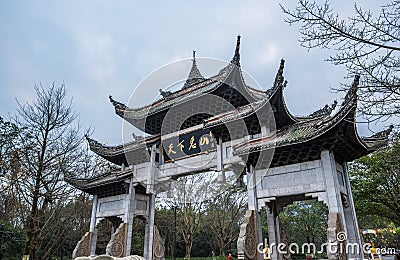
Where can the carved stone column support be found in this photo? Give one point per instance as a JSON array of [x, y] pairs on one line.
[[149, 230], [83, 246], [158, 246], [336, 237], [117, 245], [248, 237], [284, 240]]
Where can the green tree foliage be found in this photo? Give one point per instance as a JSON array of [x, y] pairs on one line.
[[190, 196], [138, 232], [11, 235], [305, 222], [366, 43], [9, 166], [70, 221], [375, 181], [224, 216], [164, 219], [11, 240]]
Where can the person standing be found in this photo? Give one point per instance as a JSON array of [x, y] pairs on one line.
[[267, 255]]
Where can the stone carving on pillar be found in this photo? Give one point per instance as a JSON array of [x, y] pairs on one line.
[[248, 237], [284, 240], [336, 234], [117, 245], [158, 245], [83, 246], [107, 257]]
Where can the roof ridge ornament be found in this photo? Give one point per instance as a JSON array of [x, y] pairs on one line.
[[236, 58], [116, 104], [137, 138], [165, 93], [279, 78], [235, 62], [352, 92], [325, 111], [92, 142], [195, 75], [382, 134]]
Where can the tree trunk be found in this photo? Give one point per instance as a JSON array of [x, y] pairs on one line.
[[188, 250], [32, 229]]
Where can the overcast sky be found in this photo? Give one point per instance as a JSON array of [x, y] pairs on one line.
[[98, 48]]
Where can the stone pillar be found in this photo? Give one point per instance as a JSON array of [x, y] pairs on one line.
[[146, 240], [251, 189], [252, 202], [353, 231], [332, 182], [273, 230], [250, 231], [149, 233], [278, 240], [220, 165], [283, 239], [336, 223], [93, 228], [129, 216], [247, 244], [151, 171]]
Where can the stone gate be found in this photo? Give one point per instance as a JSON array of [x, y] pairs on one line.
[[220, 124]]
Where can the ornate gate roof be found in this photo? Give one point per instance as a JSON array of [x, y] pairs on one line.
[[294, 138]]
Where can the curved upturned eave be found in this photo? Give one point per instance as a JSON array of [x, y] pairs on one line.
[[252, 109], [378, 140], [117, 154], [237, 114], [167, 102], [329, 123], [188, 94], [90, 183], [139, 117], [346, 114], [375, 144], [278, 100], [236, 80]]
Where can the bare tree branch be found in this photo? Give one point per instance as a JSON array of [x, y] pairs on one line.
[[367, 45]]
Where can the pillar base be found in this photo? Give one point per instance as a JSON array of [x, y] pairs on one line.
[[83, 246], [247, 244], [117, 245]]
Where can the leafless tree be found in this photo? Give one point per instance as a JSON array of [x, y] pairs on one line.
[[50, 141], [191, 194], [225, 215], [367, 44]]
